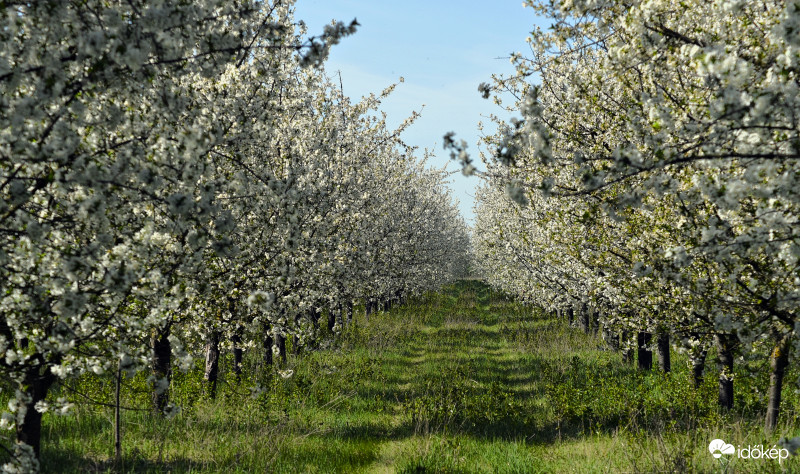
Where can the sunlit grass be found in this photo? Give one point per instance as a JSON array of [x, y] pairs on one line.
[[462, 381]]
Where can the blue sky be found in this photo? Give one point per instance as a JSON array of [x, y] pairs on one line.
[[442, 48]]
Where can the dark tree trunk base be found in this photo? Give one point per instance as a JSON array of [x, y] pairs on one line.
[[282, 348], [237, 356], [212, 363], [162, 354], [36, 386], [268, 343], [698, 366], [612, 339], [644, 355], [778, 361], [627, 352], [662, 352], [368, 309], [331, 320], [725, 345], [584, 320]]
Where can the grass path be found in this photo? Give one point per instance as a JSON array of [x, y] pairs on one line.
[[461, 381], [453, 386]]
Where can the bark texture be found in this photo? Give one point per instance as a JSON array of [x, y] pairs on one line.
[[778, 361], [268, 343], [698, 367], [627, 352], [725, 345], [584, 318], [236, 339], [36, 384], [644, 354], [211, 373], [368, 309], [662, 352], [282, 348], [161, 367]]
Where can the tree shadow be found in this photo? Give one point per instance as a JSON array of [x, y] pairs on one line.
[[71, 460]]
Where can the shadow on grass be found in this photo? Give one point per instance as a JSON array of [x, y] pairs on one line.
[[74, 461], [464, 375], [508, 429], [468, 363]]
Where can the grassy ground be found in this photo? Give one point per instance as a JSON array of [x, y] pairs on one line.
[[460, 381]]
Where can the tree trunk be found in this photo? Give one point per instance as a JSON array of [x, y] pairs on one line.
[[282, 348], [570, 315], [725, 344], [212, 363], [778, 361], [612, 339], [595, 319], [331, 319], [35, 385], [236, 339], [349, 311], [161, 366], [662, 352], [627, 352], [698, 366], [296, 350], [268, 343], [644, 354], [117, 422], [367, 308], [315, 314], [584, 320]]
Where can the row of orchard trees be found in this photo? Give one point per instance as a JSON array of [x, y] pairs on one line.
[[656, 175], [175, 175]]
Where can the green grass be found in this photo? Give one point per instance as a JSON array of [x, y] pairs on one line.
[[465, 380]]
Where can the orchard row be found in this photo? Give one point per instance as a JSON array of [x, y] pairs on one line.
[[654, 179], [181, 176]]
